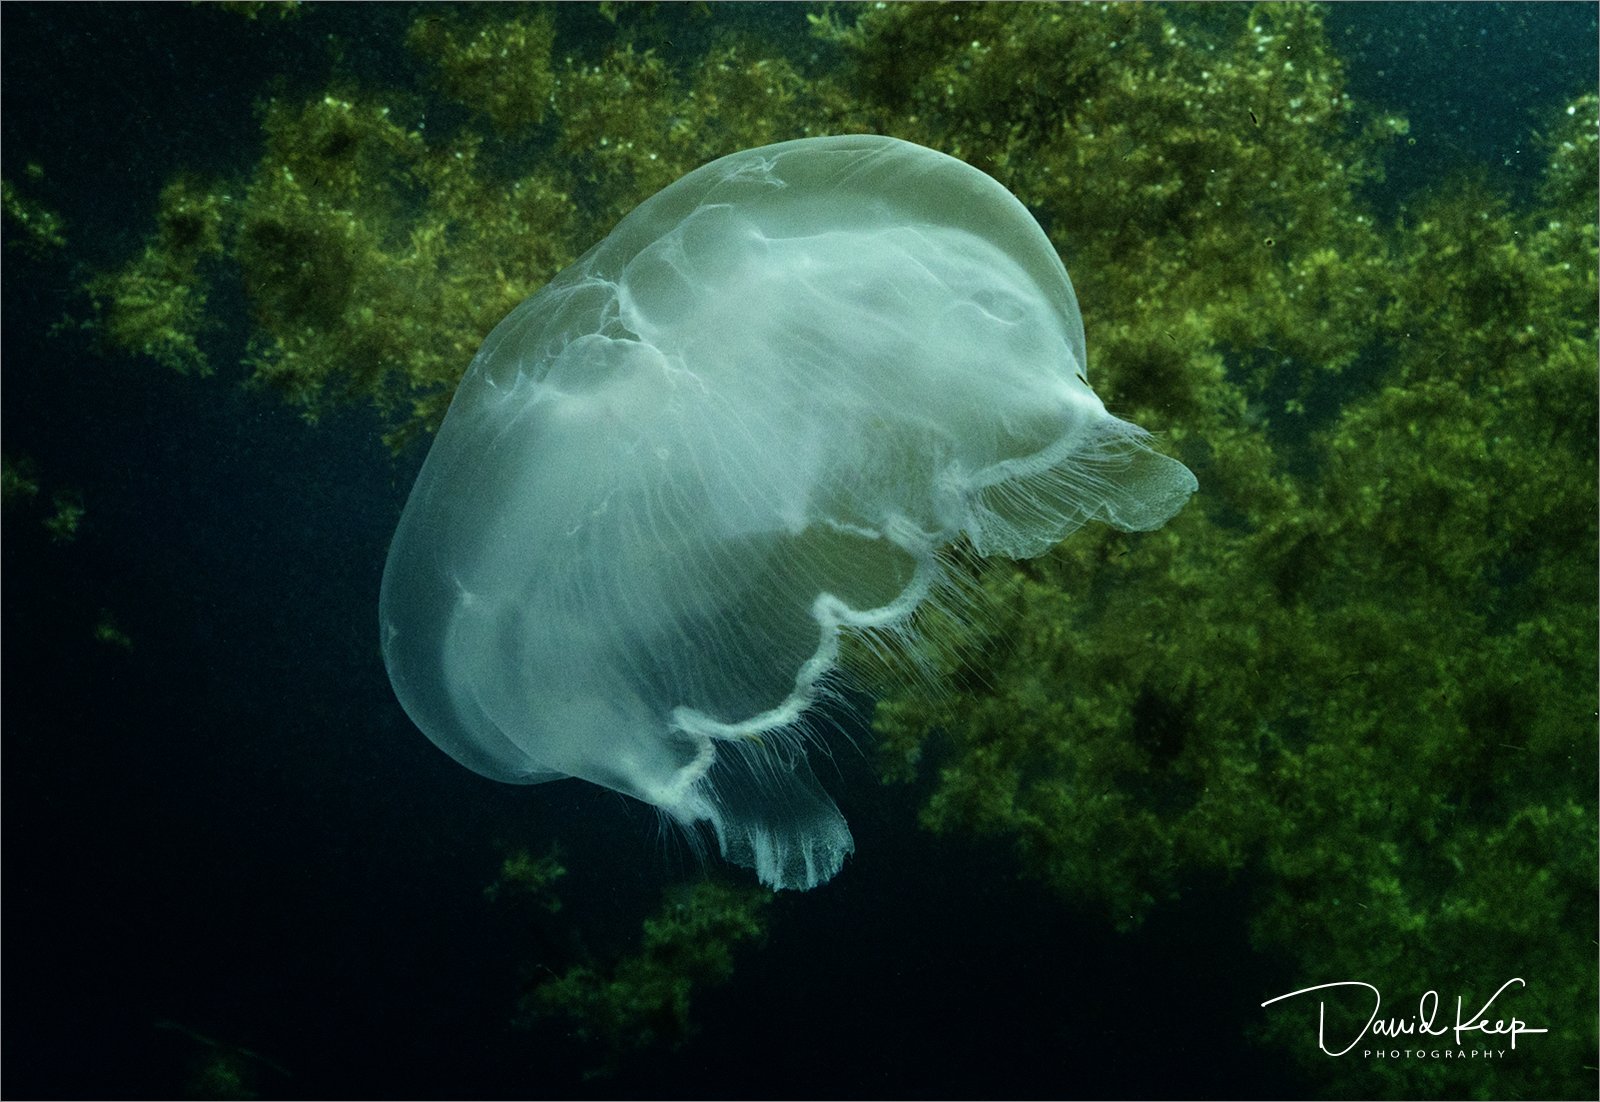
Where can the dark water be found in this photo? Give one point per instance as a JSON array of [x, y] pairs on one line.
[[232, 828]]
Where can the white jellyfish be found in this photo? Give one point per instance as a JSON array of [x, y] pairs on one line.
[[749, 420]]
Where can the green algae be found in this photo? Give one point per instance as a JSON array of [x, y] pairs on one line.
[[30, 225], [644, 998], [529, 879]]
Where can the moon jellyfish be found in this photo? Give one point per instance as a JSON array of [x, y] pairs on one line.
[[752, 419]]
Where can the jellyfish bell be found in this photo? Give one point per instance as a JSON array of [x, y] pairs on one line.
[[750, 420]]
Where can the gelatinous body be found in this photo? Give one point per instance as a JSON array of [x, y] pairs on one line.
[[748, 420]]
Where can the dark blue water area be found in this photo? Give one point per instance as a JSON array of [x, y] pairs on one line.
[[1477, 83], [229, 837]]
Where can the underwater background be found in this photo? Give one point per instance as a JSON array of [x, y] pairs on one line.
[[1335, 722]]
